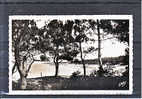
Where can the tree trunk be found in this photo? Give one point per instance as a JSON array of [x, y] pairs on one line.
[[56, 65], [16, 52], [23, 82], [23, 74], [14, 68], [21, 70], [82, 60], [57, 69], [99, 48]]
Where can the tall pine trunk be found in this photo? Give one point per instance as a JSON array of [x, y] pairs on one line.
[[82, 60], [56, 69], [56, 62], [99, 50]]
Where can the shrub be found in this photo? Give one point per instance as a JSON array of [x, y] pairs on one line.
[[126, 73], [75, 74], [76, 61], [99, 73], [93, 74], [43, 58]]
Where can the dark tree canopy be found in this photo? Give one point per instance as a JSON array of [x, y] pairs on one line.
[[120, 28]]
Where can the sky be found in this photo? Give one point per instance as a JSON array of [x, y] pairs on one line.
[[110, 48]]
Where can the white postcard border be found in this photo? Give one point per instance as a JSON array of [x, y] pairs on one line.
[[73, 92]]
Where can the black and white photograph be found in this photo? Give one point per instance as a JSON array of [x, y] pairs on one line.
[[70, 54]]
